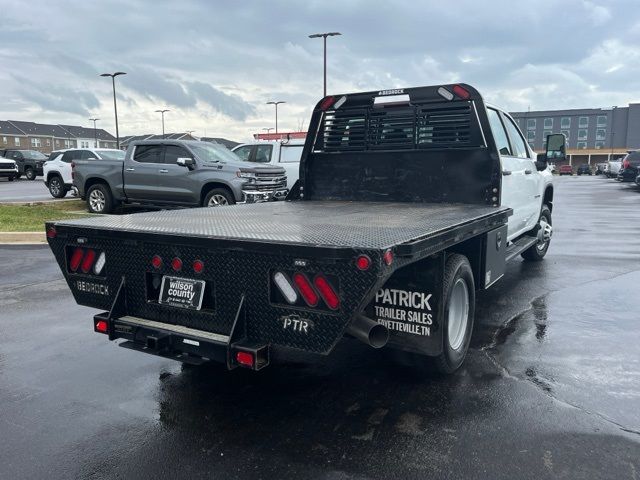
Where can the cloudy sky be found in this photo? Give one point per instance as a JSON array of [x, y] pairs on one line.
[[214, 64]]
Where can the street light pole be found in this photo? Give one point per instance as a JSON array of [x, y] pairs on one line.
[[115, 105], [162, 113], [268, 129], [276, 104], [95, 132], [324, 38]]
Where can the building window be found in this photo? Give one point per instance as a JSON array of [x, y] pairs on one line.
[[565, 133], [565, 122], [602, 120], [67, 144], [531, 136], [601, 134], [548, 123], [48, 142], [16, 140], [582, 134], [581, 145], [35, 142], [599, 145], [531, 124], [545, 134], [583, 122], [4, 139]]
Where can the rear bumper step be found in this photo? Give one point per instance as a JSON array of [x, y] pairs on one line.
[[184, 344]]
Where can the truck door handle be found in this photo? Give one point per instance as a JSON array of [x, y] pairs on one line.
[[163, 171], [506, 172], [528, 172], [130, 169]]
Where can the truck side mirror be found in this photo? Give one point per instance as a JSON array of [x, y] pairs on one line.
[[556, 147], [186, 162]]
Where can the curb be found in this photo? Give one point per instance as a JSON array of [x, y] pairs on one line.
[[22, 238]]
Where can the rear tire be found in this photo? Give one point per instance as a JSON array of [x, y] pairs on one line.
[[457, 321], [30, 173], [99, 199], [56, 187], [218, 197], [537, 252], [10, 179]]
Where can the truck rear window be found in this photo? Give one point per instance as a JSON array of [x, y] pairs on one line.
[[430, 126]]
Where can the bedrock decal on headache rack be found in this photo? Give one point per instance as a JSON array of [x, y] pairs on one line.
[[404, 311]]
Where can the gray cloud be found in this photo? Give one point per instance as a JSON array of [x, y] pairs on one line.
[[221, 61]]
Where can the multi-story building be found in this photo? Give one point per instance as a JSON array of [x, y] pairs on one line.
[[46, 137], [593, 134]]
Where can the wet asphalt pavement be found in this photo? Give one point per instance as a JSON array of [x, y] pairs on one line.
[[550, 389], [24, 190]]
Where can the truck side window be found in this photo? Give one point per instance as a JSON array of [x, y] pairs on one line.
[[291, 153], [173, 152], [86, 155], [263, 153], [244, 152], [499, 133], [148, 154], [517, 141]]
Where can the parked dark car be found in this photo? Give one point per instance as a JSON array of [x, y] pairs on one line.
[[630, 167], [29, 162], [584, 169], [565, 170]]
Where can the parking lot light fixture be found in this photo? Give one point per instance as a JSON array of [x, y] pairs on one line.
[[324, 38], [95, 133], [115, 105], [276, 105], [162, 113]]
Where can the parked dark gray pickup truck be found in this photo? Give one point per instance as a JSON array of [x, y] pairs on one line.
[[176, 173]]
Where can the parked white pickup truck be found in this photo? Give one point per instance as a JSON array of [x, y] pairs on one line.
[[283, 153]]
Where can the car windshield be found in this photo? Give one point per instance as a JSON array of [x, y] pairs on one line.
[[212, 153], [34, 155], [110, 154]]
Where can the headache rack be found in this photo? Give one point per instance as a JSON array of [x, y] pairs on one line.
[[428, 126]]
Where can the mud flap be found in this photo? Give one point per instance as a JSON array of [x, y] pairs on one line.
[[410, 305]]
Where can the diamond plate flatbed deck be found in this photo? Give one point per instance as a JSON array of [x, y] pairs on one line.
[[332, 224]]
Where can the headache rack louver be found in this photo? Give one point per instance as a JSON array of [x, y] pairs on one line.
[[404, 127]]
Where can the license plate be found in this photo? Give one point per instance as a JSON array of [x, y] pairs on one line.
[[182, 292]]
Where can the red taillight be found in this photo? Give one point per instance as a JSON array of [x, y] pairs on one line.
[[363, 262], [326, 103], [304, 287], [51, 232], [327, 293], [461, 92], [156, 261], [176, 264], [244, 358], [87, 261], [626, 164], [102, 326], [388, 257], [76, 258], [198, 266]]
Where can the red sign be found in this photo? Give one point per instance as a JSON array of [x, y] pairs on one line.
[[279, 135]]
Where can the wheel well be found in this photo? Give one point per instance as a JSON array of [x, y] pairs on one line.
[[50, 175], [548, 197], [210, 186], [93, 181]]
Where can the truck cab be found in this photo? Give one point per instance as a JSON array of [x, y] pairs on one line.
[[282, 153]]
